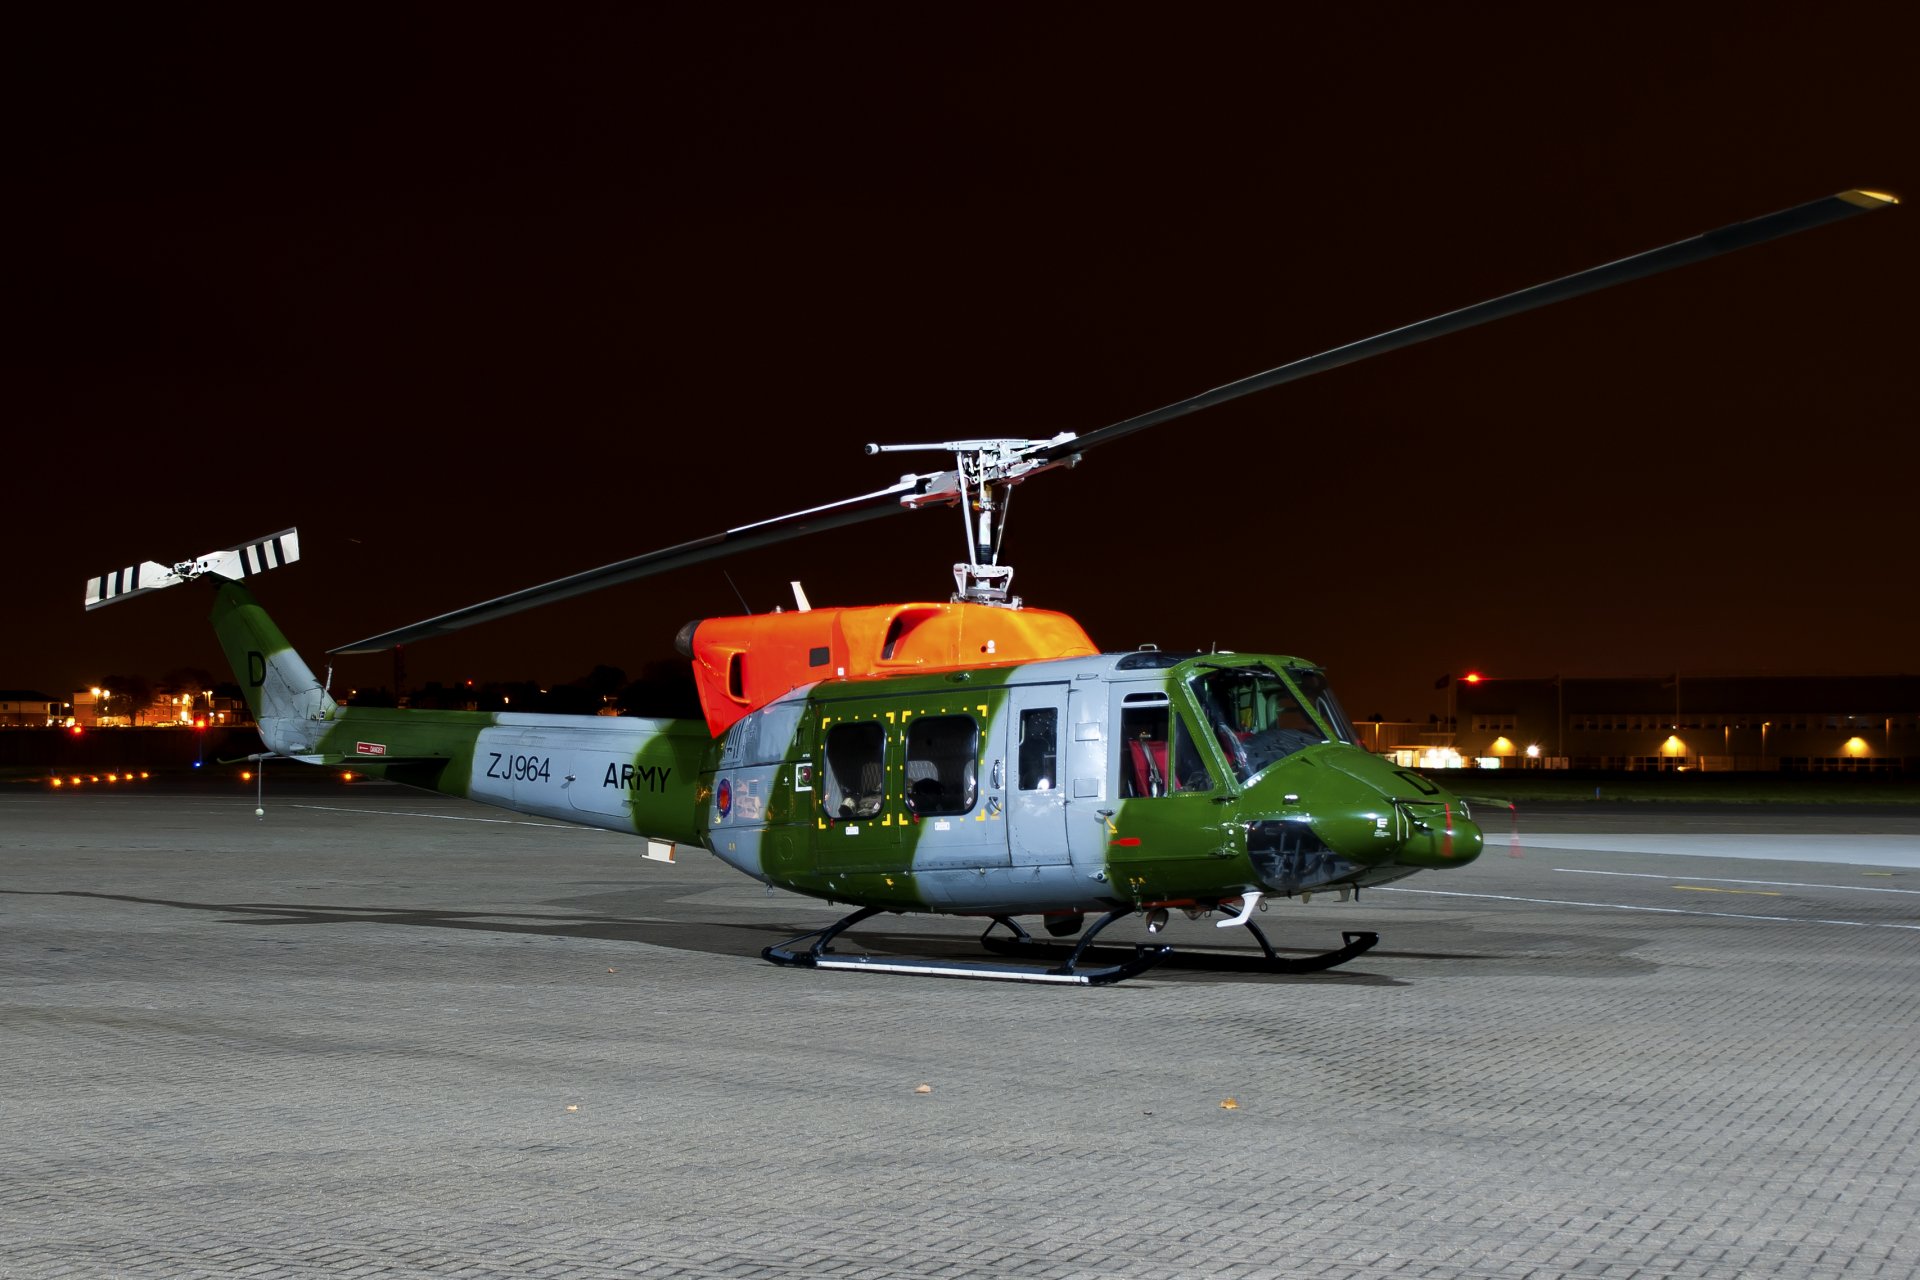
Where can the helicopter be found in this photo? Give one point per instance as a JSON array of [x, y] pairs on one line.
[[970, 756]]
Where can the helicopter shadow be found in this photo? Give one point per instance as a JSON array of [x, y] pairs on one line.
[[713, 937], [730, 938]]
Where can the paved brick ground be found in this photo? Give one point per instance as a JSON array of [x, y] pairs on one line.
[[380, 1035]]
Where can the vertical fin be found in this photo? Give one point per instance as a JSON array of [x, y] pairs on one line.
[[288, 702]]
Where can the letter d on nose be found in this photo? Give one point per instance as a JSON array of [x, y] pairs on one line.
[[256, 668]]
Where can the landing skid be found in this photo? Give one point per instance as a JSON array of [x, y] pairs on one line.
[[1356, 944], [819, 955]]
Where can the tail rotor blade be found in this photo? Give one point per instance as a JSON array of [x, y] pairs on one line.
[[271, 552]]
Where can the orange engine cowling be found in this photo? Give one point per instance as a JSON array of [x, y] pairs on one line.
[[743, 663]]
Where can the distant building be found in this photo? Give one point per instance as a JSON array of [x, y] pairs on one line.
[[1674, 722], [26, 709], [188, 710], [98, 708], [1394, 737]]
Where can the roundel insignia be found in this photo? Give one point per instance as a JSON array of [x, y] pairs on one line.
[[723, 797]]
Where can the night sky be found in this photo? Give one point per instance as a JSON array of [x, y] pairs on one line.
[[476, 302]]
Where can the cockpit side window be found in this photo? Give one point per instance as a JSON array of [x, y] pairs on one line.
[[1190, 772], [1253, 716]]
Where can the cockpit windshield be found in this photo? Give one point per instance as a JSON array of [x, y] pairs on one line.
[[1313, 684], [1256, 718]]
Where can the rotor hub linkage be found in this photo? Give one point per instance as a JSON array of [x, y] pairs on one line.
[[981, 484]]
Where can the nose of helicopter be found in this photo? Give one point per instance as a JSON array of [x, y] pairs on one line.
[[1442, 835], [1386, 815]]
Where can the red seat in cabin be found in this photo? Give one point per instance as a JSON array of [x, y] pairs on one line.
[[1147, 767]]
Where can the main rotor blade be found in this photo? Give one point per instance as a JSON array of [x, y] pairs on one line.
[[1815, 213], [918, 490], [869, 506]]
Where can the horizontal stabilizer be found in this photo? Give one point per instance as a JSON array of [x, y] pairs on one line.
[[243, 561], [349, 760]]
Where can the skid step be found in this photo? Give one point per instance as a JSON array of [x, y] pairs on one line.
[[1144, 958]]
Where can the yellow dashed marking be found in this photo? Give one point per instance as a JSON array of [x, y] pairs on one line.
[[1701, 888]]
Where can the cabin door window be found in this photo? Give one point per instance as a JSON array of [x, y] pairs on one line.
[[942, 768], [856, 771]]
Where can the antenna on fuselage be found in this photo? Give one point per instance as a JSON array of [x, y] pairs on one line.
[[984, 473], [744, 606]]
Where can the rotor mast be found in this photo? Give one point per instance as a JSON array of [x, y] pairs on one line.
[[981, 485]]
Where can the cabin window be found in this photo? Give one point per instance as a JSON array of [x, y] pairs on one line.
[[856, 776], [1039, 749], [1158, 756], [941, 756]]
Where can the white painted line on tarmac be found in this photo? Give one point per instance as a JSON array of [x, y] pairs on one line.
[[1775, 884], [445, 817], [1863, 850], [1664, 911]]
